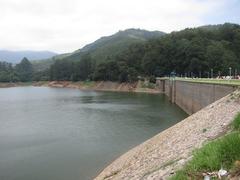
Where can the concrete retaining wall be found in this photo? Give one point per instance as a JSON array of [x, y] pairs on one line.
[[192, 96]]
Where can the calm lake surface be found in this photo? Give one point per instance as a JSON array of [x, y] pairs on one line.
[[68, 134]]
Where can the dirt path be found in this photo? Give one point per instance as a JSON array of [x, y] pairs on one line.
[[161, 155]]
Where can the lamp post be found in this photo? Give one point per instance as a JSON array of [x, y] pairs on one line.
[[235, 74], [211, 73], [230, 72]]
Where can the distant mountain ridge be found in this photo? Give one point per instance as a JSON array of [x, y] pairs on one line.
[[17, 56], [104, 47], [137, 34]]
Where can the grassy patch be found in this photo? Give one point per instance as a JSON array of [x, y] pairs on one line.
[[211, 81], [236, 123], [222, 152], [180, 175], [211, 157]]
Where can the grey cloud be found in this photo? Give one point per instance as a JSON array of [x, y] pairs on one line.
[[66, 25]]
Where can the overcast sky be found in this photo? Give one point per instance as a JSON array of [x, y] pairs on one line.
[[67, 25]]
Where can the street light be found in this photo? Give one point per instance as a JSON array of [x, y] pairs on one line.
[[230, 72]]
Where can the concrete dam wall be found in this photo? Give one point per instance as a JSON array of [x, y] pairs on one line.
[[193, 96]]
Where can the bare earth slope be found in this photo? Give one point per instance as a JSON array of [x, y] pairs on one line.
[[161, 155]]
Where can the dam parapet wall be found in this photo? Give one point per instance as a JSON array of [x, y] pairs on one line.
[[193, 96]]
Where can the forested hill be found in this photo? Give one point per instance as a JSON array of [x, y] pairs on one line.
[[121, 39], [105, 47], [193, 51]]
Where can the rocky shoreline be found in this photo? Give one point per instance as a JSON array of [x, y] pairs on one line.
[[94, 86], [14, 84], [101, 86], [160, 156]]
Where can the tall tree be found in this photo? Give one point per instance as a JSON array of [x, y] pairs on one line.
[[24, 70]]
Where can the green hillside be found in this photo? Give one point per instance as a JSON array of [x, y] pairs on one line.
[[104, 48], [195, 52]]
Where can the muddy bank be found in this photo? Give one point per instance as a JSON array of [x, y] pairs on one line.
[[102, 86], [160, 156]]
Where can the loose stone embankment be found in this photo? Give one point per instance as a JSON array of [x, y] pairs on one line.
[[160, 156]]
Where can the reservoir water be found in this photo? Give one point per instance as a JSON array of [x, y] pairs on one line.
[[68, 134]]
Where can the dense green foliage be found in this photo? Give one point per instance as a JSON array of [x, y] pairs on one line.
[[222, 152], [192, 52], [71, 70], [21, 72], [6, 72]]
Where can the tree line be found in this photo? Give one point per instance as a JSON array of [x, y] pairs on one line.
[[190, 52], [21, 72]]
